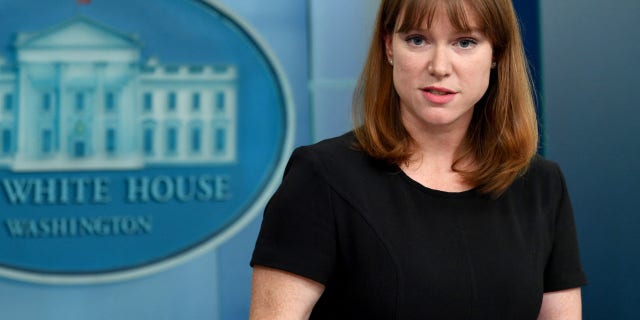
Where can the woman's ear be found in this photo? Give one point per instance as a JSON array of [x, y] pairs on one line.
[[388, 44]]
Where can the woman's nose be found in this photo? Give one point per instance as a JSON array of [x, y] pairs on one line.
[[439, 64]]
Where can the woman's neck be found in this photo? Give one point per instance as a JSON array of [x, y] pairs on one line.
[[433, 157]]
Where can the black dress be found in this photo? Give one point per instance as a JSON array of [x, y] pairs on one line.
[[387, 247]]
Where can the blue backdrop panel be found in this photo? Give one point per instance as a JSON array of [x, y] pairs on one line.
[[164, 43], [590, 53]]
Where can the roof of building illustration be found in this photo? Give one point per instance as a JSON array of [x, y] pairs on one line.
[[74, 32]]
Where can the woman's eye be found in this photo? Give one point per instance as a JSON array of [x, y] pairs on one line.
[[415, 41], [466, 43]]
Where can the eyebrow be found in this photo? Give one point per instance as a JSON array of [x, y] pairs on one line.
[[473, 30]]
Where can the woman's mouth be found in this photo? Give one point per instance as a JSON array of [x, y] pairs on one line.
[[436, 92], [438, 95]]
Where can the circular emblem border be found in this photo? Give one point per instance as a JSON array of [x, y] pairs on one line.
[[253, 209]]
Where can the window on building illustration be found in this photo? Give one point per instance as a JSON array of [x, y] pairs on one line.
[[47, 141], [220, 140], [172, 140], [196, 139], [147, 104], [220, 102], [148, 141], [110, 102], [172, 101], [79, 101], [7, 145], [46, 102], [172, 69], [195, 101], [110, 140], [8, 102], [79, 149]]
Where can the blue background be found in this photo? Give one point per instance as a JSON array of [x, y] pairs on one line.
[[590, 53], [588, 73]]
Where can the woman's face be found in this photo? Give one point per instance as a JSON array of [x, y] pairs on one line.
[[439, 73]]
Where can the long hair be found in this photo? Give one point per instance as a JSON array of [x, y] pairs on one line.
[[502, 137]]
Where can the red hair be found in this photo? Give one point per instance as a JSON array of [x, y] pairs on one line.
[[502, 137]]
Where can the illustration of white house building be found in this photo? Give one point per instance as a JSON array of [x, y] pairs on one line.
[[78, 96]]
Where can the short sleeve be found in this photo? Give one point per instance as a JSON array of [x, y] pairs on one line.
[[563, 269], [298, 230]]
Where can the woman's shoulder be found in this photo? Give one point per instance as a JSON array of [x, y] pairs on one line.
[[334, 146], [339, 154], [339, 162], [543, 168], [545, 175]]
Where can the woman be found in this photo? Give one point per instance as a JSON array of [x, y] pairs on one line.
[[436, 206]]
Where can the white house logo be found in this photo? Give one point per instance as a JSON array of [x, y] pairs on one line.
[[86, 101], [128, 143]]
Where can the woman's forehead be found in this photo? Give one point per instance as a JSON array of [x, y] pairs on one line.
[[423, 14]]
